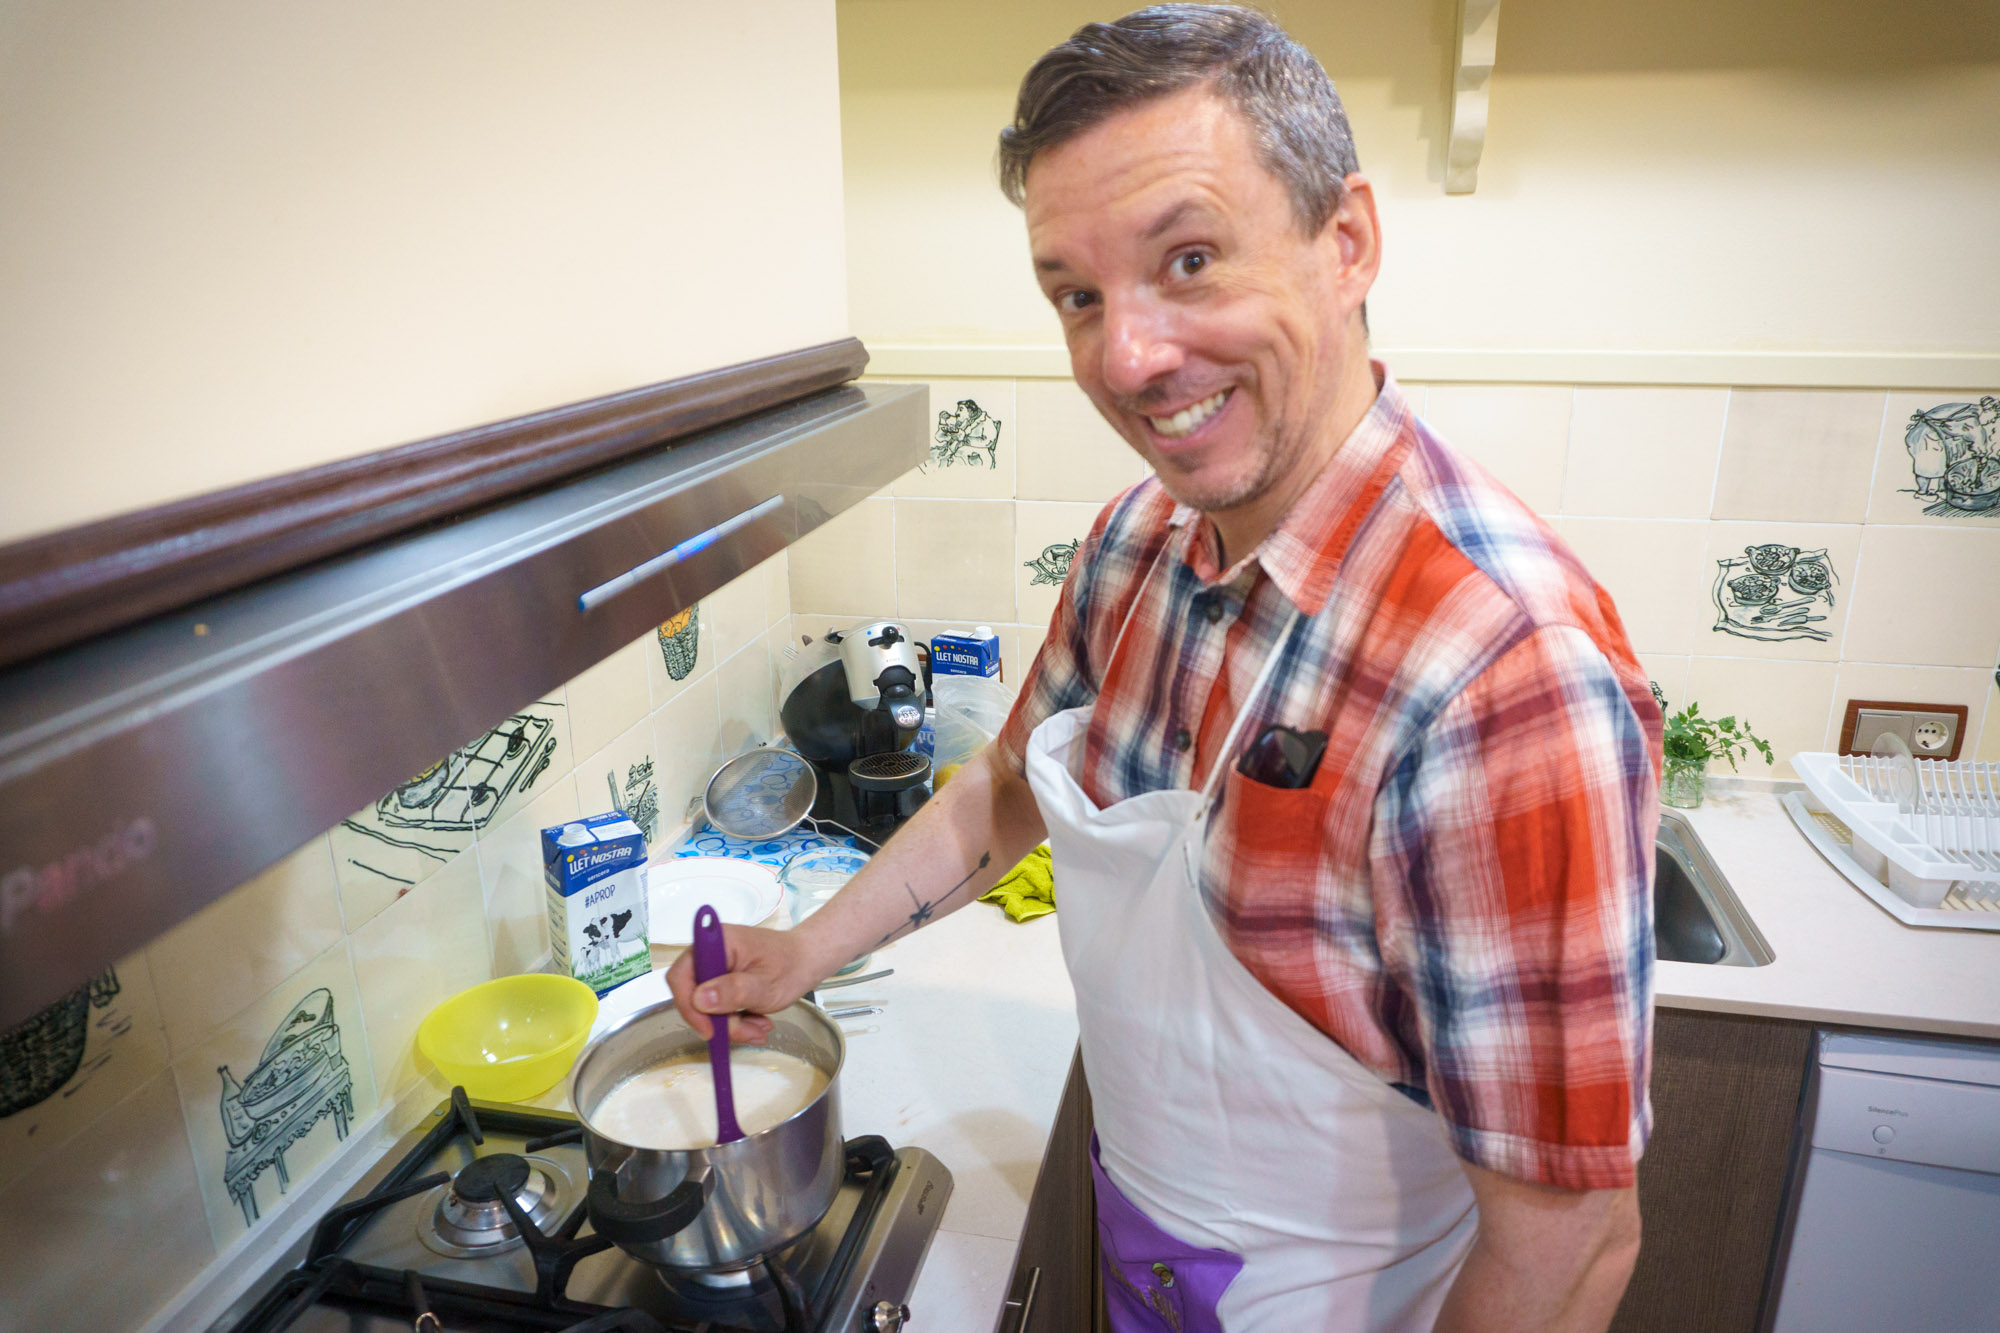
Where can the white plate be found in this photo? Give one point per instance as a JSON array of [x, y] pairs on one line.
[[743, 893]]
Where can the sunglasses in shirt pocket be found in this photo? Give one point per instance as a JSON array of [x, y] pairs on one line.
[[1277, 830]]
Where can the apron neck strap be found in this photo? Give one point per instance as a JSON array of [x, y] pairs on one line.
[[1264, 674]]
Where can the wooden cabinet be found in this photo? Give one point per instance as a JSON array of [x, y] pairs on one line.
[[1055, 1284], [1711, 1186]]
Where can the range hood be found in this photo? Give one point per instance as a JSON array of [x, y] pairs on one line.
[[149, 770]]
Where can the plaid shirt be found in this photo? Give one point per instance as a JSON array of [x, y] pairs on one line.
[[1462, 897]]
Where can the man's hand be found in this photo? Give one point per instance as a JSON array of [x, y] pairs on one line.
[[1547, 1260], [768, 969]]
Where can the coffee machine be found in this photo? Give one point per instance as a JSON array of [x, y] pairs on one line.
[[855, 715]]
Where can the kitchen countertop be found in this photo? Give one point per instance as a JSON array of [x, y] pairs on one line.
[[1839, 958]]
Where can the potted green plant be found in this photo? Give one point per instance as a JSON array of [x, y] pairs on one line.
[[1691, 741]]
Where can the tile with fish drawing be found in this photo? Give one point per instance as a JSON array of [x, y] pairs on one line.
[[1954, 457], [1774, 592]]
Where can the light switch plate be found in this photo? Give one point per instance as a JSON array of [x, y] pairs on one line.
[[1932, 731]]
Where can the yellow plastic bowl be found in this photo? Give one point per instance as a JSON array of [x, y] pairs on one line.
[[512, 1038]]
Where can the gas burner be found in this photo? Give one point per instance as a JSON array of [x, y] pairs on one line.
[[468, 1219]]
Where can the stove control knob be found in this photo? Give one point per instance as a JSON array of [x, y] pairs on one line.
[[888, 1318]]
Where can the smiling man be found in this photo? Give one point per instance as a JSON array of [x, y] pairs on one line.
[[1347, 768]]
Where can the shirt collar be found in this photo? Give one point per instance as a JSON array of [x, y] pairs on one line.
[[1303, 554]]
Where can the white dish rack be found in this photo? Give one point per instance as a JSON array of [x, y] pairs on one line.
[[1923, 835]]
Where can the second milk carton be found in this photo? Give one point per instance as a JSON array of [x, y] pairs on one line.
[[596, 874]]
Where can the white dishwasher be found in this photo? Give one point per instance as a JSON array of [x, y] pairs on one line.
[[1894, 1219]]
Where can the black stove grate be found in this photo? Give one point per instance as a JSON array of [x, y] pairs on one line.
[[430, 1302]]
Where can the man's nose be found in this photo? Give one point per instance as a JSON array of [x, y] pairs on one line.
[[1141, 345]]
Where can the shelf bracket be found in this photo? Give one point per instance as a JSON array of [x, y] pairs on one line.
[[1472, 71]]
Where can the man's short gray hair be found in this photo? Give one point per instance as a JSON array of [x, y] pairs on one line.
[[1277, 86]]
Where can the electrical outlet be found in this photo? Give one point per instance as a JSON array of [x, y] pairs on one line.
[[1932, 731]]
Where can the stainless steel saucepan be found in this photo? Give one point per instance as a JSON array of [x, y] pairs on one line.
[[726, 1206]]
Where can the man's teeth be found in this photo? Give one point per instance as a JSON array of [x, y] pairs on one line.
[[1185, 420]]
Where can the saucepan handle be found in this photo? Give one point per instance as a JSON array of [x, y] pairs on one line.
[[625, 1222]]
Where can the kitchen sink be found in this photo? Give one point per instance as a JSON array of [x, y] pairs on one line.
[[1696, 917]]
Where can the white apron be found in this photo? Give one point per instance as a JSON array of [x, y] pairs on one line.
[[1223, 1117]]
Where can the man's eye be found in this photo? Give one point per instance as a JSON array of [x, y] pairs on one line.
[[1070, 302], [1189, 264]]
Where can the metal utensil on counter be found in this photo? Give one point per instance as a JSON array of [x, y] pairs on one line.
[[711, 960], [831, 982], [854, 1011], [763, 793]]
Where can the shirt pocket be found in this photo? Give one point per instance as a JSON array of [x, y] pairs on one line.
[[1276, 834]]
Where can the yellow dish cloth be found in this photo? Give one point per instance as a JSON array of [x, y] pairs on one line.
[[1029, 889]]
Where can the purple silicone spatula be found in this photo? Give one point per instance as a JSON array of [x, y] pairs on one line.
[[711, 960]]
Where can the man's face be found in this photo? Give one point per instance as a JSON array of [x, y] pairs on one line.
[[1202, 321]]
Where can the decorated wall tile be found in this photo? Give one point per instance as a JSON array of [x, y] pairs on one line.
[[1068, 451], [1518, 432], [678, 652], [273, 1091], [206, 969], [74, 1060], [848, 566], [610, 697], [1777, 589], [411, 830], [1651, 569], [973, 442], [417, 952], [510, 876], [1939, 459], [1785, 703], [102, 1234], [1643, 453], [1045, 540], [1798, 455], [1927, 596], [687, 739], [1969, 686], [624, 775], [954, 559]]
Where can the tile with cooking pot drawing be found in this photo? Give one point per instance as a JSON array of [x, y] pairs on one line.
[[1939, 459], [271, 1094], [1777, 589]]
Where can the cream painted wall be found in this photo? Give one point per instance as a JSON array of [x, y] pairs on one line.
[[1779, 183], [238, 238]]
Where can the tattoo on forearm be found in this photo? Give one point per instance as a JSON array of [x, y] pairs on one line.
[[922, 911]]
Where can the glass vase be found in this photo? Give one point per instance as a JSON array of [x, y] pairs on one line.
[[1683, 783]]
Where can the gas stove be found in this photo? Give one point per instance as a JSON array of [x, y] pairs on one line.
[[474, 1223]]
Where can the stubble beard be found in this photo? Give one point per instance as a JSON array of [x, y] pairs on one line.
[[1277, 452]]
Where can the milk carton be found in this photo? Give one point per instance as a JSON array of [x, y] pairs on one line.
[[974, 654], [596, 874]]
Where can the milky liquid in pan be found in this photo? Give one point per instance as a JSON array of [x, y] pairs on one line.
[[672, 1106]]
